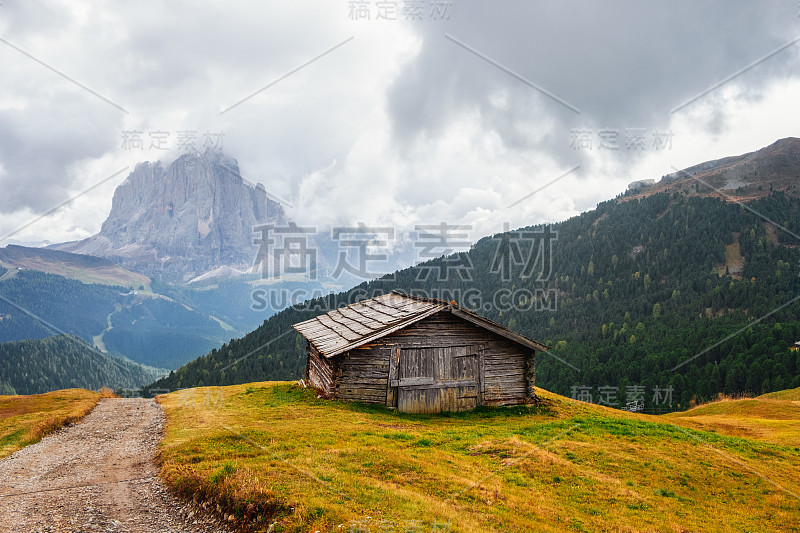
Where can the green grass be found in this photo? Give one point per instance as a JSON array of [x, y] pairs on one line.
[[789, 394], [272, 454], [26, 420]]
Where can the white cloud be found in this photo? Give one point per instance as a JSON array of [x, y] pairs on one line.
[[398, 126]]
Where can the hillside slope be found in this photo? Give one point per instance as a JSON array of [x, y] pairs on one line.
[[84, 268], [25, 420], [741, 178], [63, 362], [274, 457], [770, 417], [147, 327]]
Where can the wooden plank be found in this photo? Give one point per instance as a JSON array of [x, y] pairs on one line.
[[354, 312], [455, 384], [374, 336], [530, 378], [411, 382], [320, 372], [481, 376], [341, 330], [356, 326], [391, 391]]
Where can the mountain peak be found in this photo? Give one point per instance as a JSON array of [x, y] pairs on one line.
[[180, 220]]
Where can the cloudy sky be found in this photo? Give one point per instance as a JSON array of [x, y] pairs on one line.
[[385, 112]]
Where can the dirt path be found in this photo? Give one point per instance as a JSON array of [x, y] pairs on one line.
[[97, 475]]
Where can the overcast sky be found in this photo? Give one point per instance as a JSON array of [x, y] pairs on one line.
[[453, 113]]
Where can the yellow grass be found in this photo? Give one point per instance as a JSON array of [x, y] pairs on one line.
[[25, 420], [771, 418], [789, 394], [273, 455]]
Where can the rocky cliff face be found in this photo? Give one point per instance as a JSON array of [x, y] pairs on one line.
[[182, 220]]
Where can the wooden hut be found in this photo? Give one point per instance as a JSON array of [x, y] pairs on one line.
[[418, 355]]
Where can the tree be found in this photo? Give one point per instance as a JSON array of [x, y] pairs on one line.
[[736, 380]]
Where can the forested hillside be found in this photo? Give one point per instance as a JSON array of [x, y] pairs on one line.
[[64, 362], [72, 306], [145, 327], [637, 296]]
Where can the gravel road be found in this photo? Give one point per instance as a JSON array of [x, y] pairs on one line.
[[98, 475]]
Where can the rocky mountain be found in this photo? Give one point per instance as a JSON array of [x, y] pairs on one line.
[[740, 178], [181, 220]]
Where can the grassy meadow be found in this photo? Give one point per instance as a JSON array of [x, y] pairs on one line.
[[273, 457], [25, 420]]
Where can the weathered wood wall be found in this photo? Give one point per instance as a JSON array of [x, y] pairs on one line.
[[504, 373], [503, 360], [320, 372], [363, 374]]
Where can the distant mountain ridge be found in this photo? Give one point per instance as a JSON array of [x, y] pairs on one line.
[[48, 292], [742, 178], [182, 220], [85, 268]]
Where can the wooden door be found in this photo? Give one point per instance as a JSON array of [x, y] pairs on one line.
[[435, 379]]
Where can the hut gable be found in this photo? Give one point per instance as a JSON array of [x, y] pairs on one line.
[[418, 355]]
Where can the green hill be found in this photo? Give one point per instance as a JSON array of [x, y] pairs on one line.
[[679, 291], [274, 457], [64, 362], [790, 394], [31, 300]]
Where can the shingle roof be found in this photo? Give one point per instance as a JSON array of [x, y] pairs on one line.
[[357, 324]]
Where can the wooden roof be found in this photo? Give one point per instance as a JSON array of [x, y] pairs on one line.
[[357, 324]]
